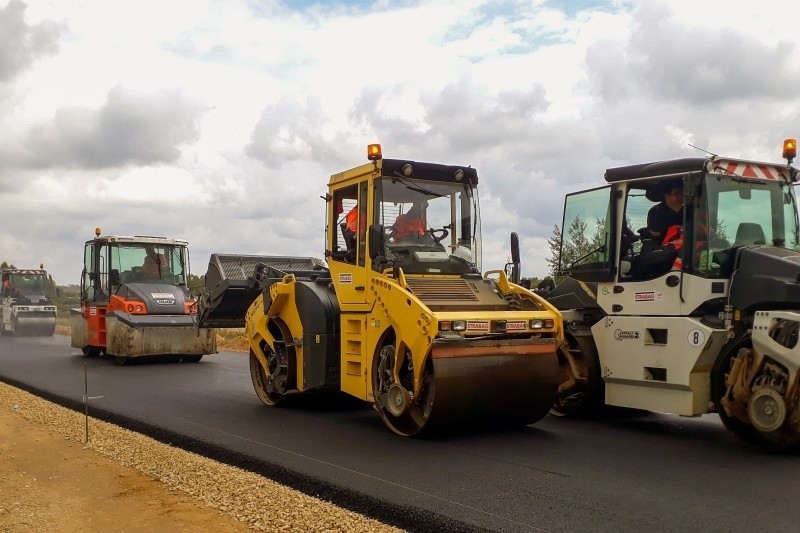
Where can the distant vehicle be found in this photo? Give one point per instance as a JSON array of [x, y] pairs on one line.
[[705, 318], [135, 302], [25, 309]]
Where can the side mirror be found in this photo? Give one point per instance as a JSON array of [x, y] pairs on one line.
[[375, 240], [514, 265]]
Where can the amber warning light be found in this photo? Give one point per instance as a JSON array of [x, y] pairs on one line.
[[790, 149], [374, 152]]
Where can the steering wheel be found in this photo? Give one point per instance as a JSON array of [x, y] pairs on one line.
[[437, 239]]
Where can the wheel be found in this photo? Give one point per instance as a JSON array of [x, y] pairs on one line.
[[585, 398], [91, 351], [121, 360], [393, 398], [191, 358], [262, 382], [772, 441]]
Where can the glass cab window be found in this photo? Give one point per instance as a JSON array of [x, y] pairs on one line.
[[730, 213], [350, 224], [429, 227], [585, 235], [156, 263], [25, 285]]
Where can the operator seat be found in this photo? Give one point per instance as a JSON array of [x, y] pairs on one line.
[[749, 233], [653, 260]]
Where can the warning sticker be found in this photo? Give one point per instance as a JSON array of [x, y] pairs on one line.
[[345, 278]]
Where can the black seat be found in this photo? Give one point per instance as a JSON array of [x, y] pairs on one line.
[[653, 259], [749, 233]]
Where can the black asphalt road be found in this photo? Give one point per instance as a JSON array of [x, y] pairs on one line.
[[635, 472]]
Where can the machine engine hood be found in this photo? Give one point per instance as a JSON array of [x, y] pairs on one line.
[[160, 298], [766, 277]]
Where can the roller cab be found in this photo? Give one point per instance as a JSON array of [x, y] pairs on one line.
[[401, 316], [135, 302], [26, 308], [703, 317]]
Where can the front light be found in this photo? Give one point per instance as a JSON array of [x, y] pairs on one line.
[[537, 323], [459, 325], [444, 325]]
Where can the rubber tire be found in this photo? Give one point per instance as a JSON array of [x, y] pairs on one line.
[[91, 351], [191, 358]]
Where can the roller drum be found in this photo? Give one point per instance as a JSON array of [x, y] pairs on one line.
[[474, 384]]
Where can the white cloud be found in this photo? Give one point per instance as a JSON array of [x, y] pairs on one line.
[[221, 122]]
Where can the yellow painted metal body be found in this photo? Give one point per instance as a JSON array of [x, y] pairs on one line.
[[374, 305]]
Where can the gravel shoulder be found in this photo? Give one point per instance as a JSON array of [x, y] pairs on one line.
[[50, 479]]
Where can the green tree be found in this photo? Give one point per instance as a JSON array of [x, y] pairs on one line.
[[6, 265], [554, 243], [564, 252]]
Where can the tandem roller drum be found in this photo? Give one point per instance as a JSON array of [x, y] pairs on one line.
[[35, 327], [469, 384]]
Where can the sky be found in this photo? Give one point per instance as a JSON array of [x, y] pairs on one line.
[[221, 122]]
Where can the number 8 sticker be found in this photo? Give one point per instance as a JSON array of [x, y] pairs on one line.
[[696, 338]]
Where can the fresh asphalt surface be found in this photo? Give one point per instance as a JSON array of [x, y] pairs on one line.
[[632, 472]]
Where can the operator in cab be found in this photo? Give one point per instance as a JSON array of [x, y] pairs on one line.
[[410, 224], [154, 263], [667, 213]]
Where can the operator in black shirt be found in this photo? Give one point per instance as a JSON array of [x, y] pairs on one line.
[[669, 212]]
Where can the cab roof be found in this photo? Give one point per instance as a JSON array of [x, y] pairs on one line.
[[421, 170]]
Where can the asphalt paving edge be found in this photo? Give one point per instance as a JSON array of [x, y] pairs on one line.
[[408, 518]]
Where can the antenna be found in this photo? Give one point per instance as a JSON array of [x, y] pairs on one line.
[[706, 151]]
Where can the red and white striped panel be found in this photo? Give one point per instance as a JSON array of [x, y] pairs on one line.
[[748, 170]]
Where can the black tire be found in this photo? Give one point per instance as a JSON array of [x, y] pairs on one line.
[[749, 435], [587, 400], [191, 358], [259, 378], [121, 360], [91, 351]]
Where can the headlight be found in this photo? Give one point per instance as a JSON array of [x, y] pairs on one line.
[[459, 325], [538, 323]]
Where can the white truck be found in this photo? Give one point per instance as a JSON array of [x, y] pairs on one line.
[[25, 309]]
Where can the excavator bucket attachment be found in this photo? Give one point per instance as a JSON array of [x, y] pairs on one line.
[[232, 285]]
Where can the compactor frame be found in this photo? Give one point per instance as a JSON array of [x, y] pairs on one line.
[[135, 302], [26, 308], [707, 322], [401, 316]]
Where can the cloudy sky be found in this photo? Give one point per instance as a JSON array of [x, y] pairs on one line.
[[221, 122]]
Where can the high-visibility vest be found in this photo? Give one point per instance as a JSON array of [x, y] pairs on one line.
[[407, 225], [352, 219], [674, 238]]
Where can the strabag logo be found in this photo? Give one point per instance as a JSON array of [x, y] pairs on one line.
[[345, 278], [516, 325], [479, 326], [649, 296], [622, 335]]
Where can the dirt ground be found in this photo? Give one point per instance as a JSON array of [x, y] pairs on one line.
[[52, 480], [50, 483]]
